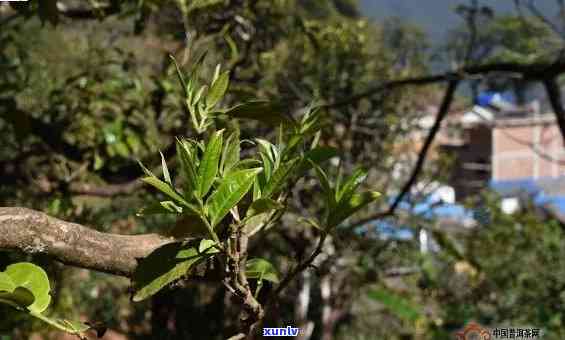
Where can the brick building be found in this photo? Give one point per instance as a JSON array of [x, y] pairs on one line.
[[528, 147]]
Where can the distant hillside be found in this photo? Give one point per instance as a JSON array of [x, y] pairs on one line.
[[437, 16]]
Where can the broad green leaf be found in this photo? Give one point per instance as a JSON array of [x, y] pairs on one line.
[[218, 89], [279, 178], [348, 208], [231, 190], [6, 283], [33, 278], [162, 267], [209, 165], [264, 111], [164, 207], [166, 189], [397, 304], [166, 174], [350, 185], [261, 269], [262, 205]]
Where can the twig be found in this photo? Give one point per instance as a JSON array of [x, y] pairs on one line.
[[300, 267], [442, 113]]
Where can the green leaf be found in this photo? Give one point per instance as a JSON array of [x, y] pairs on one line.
[[76, 326], [261, 269], [350, 185], [34, 279], [348, 208], [207, 246], [18, 297], [398, 305], [262, 205], [261, 110], [145, 170], [179, 74], [218, 89], [198, 4], [279, 178], [166, 174], [6, 283], [256, 222], [72, 327], [166, 189], [209, 165], [231, 153], [231, 190], [164, 207], [325, 183], [188, 167], [317, 156], [245, 164], [162, 267], [311, 222]]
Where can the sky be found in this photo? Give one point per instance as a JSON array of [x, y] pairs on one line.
[[437, 16]]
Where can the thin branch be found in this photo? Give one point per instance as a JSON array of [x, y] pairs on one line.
[[528, 71], [32, 232], [554, 95], [536, 12], [442, 113], [301, 267]]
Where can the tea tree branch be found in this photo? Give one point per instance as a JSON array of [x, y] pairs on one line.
[[32, 232]]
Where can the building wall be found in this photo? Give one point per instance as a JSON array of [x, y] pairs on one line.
[[472, 169], [527, 147]]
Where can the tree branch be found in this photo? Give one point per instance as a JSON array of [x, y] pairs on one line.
[[554, 95], [301, 266], [533, 72], [442, 113], [32, 232]]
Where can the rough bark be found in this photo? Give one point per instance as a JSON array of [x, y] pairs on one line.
[[32, 232]]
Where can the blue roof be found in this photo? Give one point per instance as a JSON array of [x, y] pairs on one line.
[[514, 187], [431, 208]]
